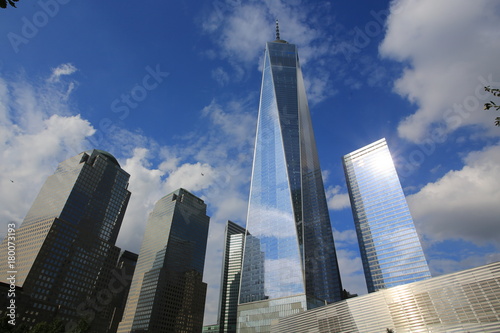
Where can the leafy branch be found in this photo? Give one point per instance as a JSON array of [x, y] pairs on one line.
[[491, 104], [3, 3]]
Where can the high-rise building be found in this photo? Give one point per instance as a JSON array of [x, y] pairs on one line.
[[123, 272], [232, 256], [65, 246], [290, 265], [390, 248], [167, 292]]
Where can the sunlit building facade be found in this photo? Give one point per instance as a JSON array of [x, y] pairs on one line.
[[466, 301], [389, 244], [232, 256], [289, 260], [66, 244], [167, 292]]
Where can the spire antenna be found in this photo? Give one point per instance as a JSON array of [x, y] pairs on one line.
[[277, 30]]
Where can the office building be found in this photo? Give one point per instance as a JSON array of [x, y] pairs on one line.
[[466, 301], [120, 287], [167, 292], [390, 248], [210, 329], [290, 265], [232, 256], [65, 247]]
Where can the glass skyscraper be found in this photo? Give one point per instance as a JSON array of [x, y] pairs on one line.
[[167, 292], [390, 248], [232, 256], [289, 261], [66, 244], [125, 270]]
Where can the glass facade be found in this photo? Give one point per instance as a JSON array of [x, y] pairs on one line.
[[230, 278], [65, 245], [261, 315], [390, 248], [289, 247], [125, 269], [167, 292], [467, 301]]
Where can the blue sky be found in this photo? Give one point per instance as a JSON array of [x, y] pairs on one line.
[[171, 89]]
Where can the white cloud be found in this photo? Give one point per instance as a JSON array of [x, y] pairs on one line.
[[345, 238], [63, 69], [319, 87], [351, 268], [147, 188], [36, 134], [195, 177], [283, 275], [444, 266], [236, 120], [451, 53], [336, 199], [463, 204], [243, 30], [351, 271], [215, 165], [39, 127], [220, 75], [237, 27]]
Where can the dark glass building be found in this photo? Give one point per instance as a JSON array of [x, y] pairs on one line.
[[232, 256], [120, 287], [65, 246], [389, 245], [167, 292], [295, 266]]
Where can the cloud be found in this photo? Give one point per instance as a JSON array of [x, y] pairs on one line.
[[63, 69], [450, 52], [214, 165], [220, 75], [237, 27], [349, 260], [40, 127], [319, 87], [233, 120], [337, 200], [442, 266], [243, 30], [345, 237], [351, 272], [463, 204], [36, 133]]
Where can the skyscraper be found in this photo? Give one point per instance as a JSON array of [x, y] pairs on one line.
[[124, 269], [232, 256], [390, 248], [167, 292], [66, 243], [290, 265]]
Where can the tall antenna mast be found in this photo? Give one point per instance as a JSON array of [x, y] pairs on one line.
[[277, 30]]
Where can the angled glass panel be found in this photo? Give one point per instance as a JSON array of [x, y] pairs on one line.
[[272, 264], [321, 266], [284, 72]]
